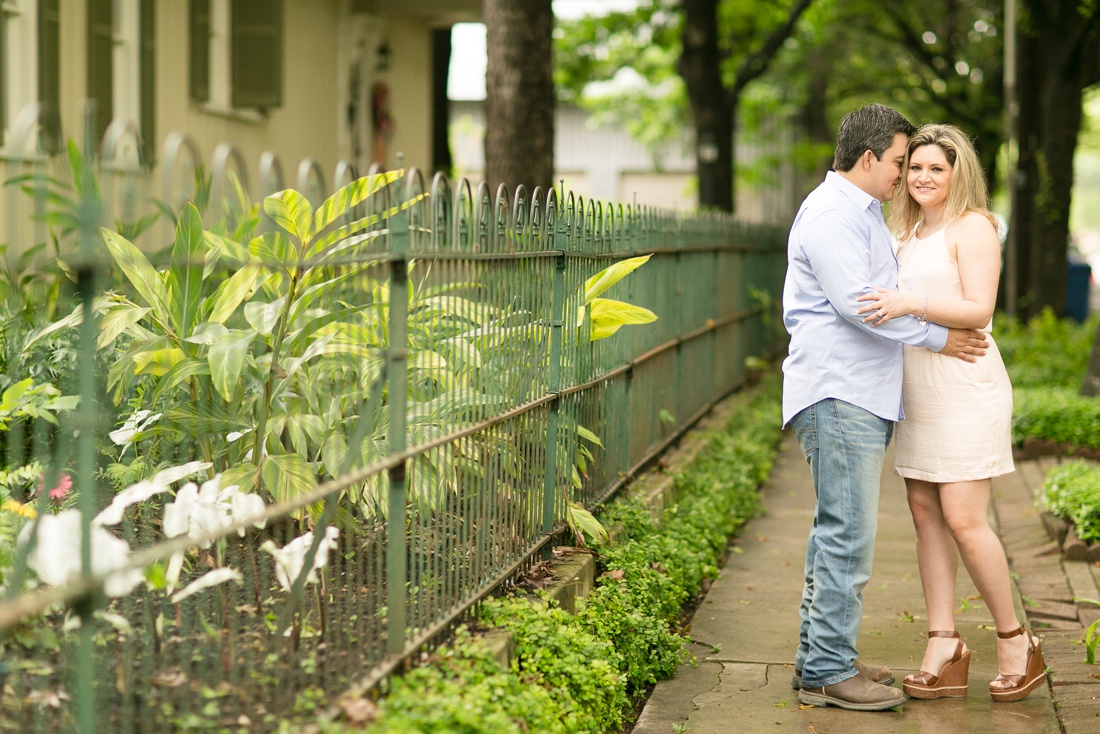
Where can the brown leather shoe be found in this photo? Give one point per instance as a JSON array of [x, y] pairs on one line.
[[855, 694], [875, 673]]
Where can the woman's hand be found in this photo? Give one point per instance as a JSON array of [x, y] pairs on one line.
[[885, 305]]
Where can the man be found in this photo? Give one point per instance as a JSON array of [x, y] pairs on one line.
[[842, 395]]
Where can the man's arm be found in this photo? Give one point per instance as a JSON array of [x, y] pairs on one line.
[[837, 246]]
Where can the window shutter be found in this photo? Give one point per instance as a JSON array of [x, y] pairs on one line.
[[199, 32], [256, 53], [49, 54], [101, 62], [147, 38]]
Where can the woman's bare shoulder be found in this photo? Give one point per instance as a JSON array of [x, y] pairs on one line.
[[972, 224]]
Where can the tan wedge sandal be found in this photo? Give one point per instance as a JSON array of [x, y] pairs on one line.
[[1034, 671], [950, 682]]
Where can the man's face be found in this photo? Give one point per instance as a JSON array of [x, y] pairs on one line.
[[886, 173]]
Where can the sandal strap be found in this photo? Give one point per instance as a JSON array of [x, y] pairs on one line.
[[1014, 633], [1013, 681], [947, 633]]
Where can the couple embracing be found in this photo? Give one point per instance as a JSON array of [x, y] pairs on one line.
[[896, 343]]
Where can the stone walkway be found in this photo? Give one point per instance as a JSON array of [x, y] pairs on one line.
[[745, 630]]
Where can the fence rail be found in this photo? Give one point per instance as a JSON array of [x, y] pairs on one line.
[[270, 450]]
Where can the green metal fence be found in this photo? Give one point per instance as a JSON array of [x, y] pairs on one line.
[[258, 454]]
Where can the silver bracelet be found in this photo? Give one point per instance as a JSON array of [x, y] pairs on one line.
[[923, 320]]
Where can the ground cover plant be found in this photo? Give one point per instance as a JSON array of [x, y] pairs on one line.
[[582, 672], [1046, 358]]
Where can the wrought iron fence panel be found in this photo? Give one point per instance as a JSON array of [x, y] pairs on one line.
[[262, 446]]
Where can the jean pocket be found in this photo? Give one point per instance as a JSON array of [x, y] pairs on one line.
[[805, 430]]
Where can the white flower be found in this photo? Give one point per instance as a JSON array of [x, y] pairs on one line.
[[145, 489], [207, 580], [133, 425], [290, 559], [56, 555], [205, 511]]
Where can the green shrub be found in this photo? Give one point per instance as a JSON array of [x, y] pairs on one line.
[[1072, 491], [1055, 414], [580, 673], [1045, 351]]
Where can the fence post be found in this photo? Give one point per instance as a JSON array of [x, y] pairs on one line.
[[87, 422], [557, 324], [397, 375]]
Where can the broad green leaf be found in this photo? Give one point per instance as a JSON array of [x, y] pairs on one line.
[[292, 212], [232, 291], [477, 313], [334, 453], [185, 270], [157, 362], [264, 316], [275, 251], [352, 195], [287, 476], [305, 432], [76, 318], [311, 291], [297, 339], [219, 246], [117, 320], [141, 274], [585, 525], [341, 239], [13, 393], [608, 315], [174, 377], [611, 275], [209, 417], [589, 436], [226, 358], [207, 333], [242, 475]]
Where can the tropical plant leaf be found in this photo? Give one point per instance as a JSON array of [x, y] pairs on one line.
[[209, 418], [185, 270], [232, 292], [275, 251], [287, 476], [292, 212], [351, 196], [226, 358], [157, 362], [118, 319], [608, 315], [264, 316], [182, 371], [141, 274], [585, 525], [611, 275]]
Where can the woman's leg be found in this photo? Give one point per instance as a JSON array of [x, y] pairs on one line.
[[965, 507], [938, 563]]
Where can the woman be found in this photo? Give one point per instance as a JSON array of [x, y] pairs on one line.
[[956, 434]]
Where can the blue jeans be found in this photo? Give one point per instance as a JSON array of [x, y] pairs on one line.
[[845, 446]]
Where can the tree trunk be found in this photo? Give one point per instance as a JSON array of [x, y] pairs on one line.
[[701, 69], [1058, 60], [441, 107], [519, 87]]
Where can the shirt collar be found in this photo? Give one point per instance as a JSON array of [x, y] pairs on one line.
[[853, 192]]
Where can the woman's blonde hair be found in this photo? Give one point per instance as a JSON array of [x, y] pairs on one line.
[[967, 191]]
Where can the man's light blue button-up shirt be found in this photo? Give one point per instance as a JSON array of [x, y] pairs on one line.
[[839, 248]]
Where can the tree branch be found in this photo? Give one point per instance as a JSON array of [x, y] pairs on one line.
[[756, 63]]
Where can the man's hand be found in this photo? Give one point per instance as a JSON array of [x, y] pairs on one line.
[[966, 344]]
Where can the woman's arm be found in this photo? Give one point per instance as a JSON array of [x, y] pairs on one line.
[[977, 250]]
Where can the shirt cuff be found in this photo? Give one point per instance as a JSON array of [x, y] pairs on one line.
[[937, 337]]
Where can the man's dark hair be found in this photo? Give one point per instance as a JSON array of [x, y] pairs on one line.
[[869, 128]]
